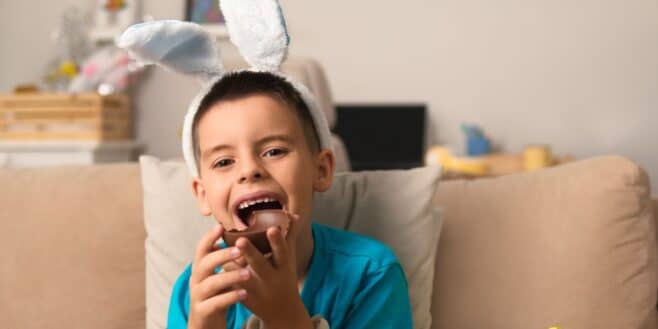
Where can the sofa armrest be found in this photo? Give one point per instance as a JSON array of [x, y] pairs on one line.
[[72, 241]]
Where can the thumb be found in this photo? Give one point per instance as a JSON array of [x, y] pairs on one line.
[[293, 231]]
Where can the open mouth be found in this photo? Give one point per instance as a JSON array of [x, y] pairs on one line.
[[245, 208]]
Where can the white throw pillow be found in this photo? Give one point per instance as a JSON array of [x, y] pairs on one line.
[[395, 207]]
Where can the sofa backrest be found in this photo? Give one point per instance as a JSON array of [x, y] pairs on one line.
[[73, 249], [572, 246]]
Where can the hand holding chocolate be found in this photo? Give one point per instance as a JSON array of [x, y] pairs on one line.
[[258, 224]]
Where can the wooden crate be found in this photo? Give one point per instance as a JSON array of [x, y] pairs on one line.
[[49, 116]]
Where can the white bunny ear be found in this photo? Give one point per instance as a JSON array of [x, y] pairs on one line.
[[258, 29], [182, 47]]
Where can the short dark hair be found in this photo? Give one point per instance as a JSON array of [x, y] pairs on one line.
[[241, 84]]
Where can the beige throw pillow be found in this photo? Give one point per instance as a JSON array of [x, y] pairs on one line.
[[394, 207]]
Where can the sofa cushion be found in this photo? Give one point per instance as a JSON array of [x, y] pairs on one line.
[[369, 203], [573, 246], [72, 240]]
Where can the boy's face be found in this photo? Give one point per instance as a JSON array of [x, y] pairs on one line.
[[253, 154]]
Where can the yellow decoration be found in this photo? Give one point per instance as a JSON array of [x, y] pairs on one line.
[[440, 155], [469, 166], [68, 69], [537, 157]]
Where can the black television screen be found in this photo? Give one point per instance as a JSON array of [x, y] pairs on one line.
[[382, 136]]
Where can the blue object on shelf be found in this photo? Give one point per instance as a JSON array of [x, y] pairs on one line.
[[478, 146], [476, 142]]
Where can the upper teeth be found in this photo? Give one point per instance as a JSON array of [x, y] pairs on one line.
[[245, 204]]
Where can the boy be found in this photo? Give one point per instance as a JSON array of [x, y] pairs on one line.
[[257, 140], [256, 144]]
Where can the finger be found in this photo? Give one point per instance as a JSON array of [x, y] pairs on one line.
[[208, 242], [220, 302], [235, 264], [221, 282], [279, 245], [241, 261], [254, 258], [208, 264], [206, 245], [293, 231], [292, 217]]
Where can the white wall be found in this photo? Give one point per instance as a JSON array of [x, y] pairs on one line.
[[579, 75]]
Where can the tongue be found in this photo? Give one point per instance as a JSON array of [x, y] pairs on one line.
[[248, 219]]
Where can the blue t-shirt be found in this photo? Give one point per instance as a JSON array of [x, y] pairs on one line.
[[353, 282]]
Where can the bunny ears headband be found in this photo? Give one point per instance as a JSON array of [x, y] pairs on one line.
[[256, 27]]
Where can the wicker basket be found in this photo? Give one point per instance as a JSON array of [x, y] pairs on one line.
[[45, 116]]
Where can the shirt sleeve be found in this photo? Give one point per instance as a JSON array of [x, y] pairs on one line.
[[179, 304], [383, 301]]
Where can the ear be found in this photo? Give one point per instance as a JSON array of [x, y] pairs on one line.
[[325, 164], [258, 29], [200, 193], [181, 47]]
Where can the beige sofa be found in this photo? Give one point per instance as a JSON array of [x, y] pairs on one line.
[[573, 246]]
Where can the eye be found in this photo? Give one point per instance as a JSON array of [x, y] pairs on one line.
[[223, 163], [275, 152]]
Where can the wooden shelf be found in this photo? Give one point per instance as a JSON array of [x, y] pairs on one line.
[[56, 153]]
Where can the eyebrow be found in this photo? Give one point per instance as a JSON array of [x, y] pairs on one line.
[[214, 149], [278, 137], [272, 138]]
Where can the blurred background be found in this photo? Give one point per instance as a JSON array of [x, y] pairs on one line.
[[580, 77]]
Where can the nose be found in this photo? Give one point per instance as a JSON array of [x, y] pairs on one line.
[[251, 171]]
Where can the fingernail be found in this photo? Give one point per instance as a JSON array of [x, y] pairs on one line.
[[242, 294], [244, 273], [235, 252]]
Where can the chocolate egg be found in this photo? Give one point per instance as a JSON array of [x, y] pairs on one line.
[[259, 222]]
